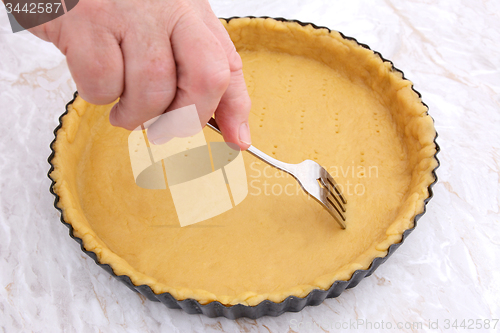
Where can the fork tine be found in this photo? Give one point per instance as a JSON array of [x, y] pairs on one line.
[[329, 183], [331, 203], [335, 212], [335, 206], [333, 195], [335, 187]]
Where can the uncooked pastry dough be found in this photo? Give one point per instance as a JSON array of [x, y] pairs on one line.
[[315, 95]]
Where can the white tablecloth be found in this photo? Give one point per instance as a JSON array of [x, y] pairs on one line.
[[447, 270]]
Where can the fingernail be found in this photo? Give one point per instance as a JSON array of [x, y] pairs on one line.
[[157, 141], [160, 141], [82, 95], [244, 133], [112, 119]]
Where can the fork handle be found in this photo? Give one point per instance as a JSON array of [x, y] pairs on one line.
[[289, 168]]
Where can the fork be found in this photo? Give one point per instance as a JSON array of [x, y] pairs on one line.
[[312, 177]]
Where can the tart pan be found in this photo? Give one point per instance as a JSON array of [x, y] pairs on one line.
[[266, 307]]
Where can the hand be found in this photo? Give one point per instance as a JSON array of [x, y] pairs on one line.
[[156, 55]]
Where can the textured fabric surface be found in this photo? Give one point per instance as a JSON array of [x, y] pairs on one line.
[[446, 270]]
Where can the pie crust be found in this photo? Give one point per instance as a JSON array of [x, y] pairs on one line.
[[315, 95]]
